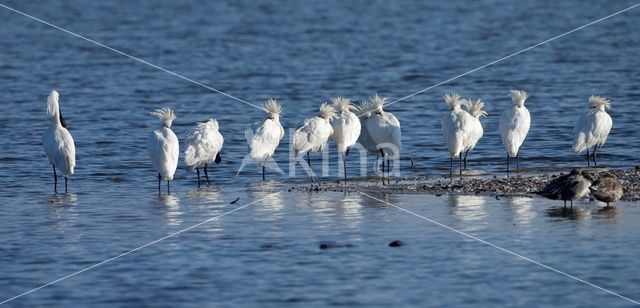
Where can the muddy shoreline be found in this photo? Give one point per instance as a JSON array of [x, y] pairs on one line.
[[514, 185]]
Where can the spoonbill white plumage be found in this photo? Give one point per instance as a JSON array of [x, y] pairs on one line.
[[456, 128], [593, 127], [313, 134], [365, 139], [514, 126], [384, 129], [264, 136], [163, 147], [476, 132], [58, 143], [204, 143], [346, 128]]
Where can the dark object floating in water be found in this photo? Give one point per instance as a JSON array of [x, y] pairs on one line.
[[396, 243], [234, 201], [270, 246], [329, 245]]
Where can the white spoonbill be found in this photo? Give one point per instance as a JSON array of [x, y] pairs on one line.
[[476, 131], [346, 128], [456, 127], [264, 136], [384, 129], [514, 126], [365, 139], [58, 143], [163, 147], [593, 127], [365, 111], [204, 143], [313, 134]]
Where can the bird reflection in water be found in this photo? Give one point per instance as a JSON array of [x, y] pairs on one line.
[[269, 215], [522, 209], [269, 202], [351, 207], [575, 213], [468, 207], [171, 205], [395, 199], [61, 200], [64, 214], [318, 204], [607, 212], [208, 194], [262, 190]]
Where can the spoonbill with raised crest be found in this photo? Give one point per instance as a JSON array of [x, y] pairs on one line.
[[475, 109], [514, 126], [384, 129], [264, 136], [456, 128], [313, 134], [593, 127], [163, 147], [346, 128]]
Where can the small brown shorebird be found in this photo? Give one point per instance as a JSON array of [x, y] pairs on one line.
[[607, 188], [567, 187]]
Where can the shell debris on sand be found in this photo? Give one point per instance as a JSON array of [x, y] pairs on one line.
[[518, 185]]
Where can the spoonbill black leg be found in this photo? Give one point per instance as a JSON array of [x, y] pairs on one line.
[[206, 175]]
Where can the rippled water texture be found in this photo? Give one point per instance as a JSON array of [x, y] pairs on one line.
[[303, 53]]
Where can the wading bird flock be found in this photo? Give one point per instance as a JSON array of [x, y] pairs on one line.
[[375, 129]]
